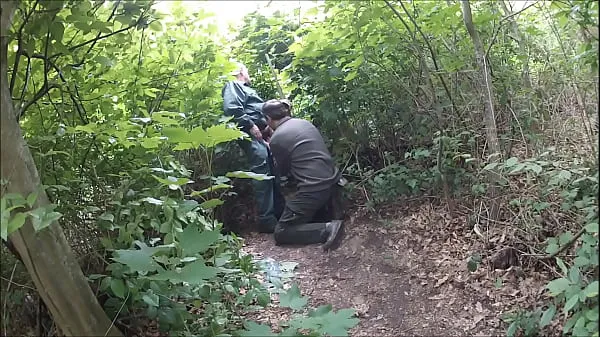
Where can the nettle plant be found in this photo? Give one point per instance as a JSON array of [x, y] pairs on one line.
[[321, 321], [169, 261], [15, 209], [571, 186]]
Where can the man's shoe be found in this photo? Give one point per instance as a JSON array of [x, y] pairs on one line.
[[334, 228]]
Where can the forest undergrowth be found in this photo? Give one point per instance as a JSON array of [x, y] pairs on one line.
[[468, 131]]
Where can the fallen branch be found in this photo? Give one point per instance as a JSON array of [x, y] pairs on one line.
[[566, 245]]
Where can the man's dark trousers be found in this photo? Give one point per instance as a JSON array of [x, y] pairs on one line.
[[305, 216]]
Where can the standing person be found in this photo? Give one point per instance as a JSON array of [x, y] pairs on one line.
[[245, 106], [299, 149]]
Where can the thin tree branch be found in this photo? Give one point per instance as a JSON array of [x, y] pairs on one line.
[[45, 87], [85, 156], [27, 76], [502, 21], [82, 114], [566, 245], [110, 17], [433, 55], [102, 37], [80, 108], [98, 38], [20, 47], [43, 90], [159, 101]]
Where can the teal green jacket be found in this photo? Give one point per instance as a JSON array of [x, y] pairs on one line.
[[244, 105]]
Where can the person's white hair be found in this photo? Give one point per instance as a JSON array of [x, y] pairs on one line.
[[239, 68]]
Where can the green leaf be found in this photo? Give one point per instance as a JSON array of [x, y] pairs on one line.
[[103, 60], [16, 222], [4, 225], [167, 118], [292, 298], [574, 275], [592, 227], [592, 314], [562, 265], [535, 168], [323, 321], [510, 162], [490, 166], [184, 146], [193, 241], [498, 283], [57, 30], [195, 273], [15, 198], [553, 246], [254, 329], [321, 310], [248, 175], [558, 286], [103, 27], [581, 261], [43, 217], [52, 5], [212, 203], [517, 168], [82, 25], [263, 299], [591, 290], [351, 75], [89, 128], [473, 262], [173, 182], [105, 283], [107, 217], [512, 329], [118, 287], [214, 135], [151, 299], [571, 303], [177, 135], [211, 189], [547, 316], [32, 197], [141, 260], [564, 238], [156, 26]]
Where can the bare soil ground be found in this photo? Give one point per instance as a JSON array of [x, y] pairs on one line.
[[406, 275]]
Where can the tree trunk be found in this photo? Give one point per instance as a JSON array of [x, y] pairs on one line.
[[46, 254], [489, 117]]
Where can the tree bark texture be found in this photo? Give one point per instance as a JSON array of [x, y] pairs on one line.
[[46, 254]]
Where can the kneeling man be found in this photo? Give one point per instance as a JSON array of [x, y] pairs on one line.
[[298, 149]]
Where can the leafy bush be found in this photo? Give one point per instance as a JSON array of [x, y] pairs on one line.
[[561, 186]]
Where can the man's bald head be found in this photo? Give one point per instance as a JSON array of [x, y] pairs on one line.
[[277, 109]]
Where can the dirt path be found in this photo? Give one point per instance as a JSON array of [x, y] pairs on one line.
[[406, 275]]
